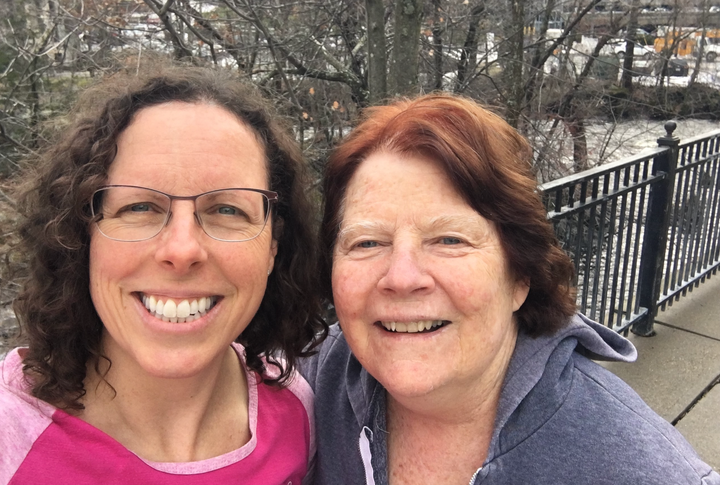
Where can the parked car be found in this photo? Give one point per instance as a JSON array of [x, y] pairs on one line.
[[678, 67], [645, 52], [710, 50], [675, 67]]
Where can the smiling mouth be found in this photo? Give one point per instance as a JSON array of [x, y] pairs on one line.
[[169, 310], [419, 326]]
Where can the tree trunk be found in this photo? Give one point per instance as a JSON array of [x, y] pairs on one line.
[[377, 55], [630, 33], [404, 58], [468, 55], [514, 63], [700, 44], [576, 127], [437, 31]]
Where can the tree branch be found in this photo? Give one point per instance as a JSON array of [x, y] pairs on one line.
[[14, 142], [161, 11]]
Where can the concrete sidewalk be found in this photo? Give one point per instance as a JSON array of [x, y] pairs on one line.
[[678, 370]]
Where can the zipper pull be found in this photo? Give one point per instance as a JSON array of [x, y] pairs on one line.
[[366, 437]]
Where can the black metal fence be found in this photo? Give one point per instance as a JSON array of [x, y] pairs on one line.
[[642, 231]]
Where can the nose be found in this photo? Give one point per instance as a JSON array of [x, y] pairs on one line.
[[407, 273], [182, 241]]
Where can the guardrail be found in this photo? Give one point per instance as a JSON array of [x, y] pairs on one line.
[[642, 231]]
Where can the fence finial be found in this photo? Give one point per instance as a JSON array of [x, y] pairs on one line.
[[669, 140], [670, 128]]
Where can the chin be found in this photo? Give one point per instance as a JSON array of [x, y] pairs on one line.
[[174, 364], [410, 390], [408, 380]]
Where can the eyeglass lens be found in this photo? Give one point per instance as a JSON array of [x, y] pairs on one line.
[[136, 214]]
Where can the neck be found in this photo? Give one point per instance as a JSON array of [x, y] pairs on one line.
[[444, 436], [438, 447], [170, 420]]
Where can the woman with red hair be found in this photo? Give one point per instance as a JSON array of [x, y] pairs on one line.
[[459, 357]]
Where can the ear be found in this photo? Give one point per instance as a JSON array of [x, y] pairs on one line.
[[520, 293], [273, 253]]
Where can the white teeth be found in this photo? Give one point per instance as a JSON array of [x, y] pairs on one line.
[[413, 327], [170, 309], [185, 311]]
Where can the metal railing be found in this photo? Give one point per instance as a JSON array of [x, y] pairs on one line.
[[642, 231]]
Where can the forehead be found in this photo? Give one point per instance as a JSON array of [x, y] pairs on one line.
[[393, 195], [188, 146], [392, 186], [398, 175]]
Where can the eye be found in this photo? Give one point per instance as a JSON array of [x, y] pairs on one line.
[[227, 210], [143, 207], [449, 240], [367, 244], [138, 207]]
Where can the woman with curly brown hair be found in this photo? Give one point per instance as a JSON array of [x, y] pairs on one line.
[[171, 292], [459, 357]]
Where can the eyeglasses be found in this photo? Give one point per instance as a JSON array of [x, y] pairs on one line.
[[131, 214]]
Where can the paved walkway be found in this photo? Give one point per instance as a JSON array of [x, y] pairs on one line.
[[678, 370]]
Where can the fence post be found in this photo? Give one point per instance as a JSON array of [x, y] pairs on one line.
[[656, 231]]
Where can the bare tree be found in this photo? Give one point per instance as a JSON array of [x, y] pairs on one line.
[[377, 55], [538, 63]]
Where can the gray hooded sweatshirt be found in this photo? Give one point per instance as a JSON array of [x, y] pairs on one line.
[[561, 419]]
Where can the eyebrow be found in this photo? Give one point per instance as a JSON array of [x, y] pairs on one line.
[[434, 223], [361, 226]]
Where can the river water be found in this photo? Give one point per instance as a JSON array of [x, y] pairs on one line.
[[631, 137], [609, 142]]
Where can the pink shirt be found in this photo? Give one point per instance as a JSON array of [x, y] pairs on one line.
[[42, 444]]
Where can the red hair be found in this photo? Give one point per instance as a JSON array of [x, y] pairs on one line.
[[489, 164]]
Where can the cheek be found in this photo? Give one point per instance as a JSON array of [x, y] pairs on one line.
[[342, 291], [100, 266], [110, 263], [351, 287], [475, 286]]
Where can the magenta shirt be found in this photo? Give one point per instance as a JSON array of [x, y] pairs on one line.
[[42, 444]]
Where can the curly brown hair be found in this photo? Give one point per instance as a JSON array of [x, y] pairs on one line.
[[54, 307], [489, 164]]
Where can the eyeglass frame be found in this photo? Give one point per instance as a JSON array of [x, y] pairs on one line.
[[271, 196]]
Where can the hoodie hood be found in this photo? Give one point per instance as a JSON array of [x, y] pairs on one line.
[[530, 359]]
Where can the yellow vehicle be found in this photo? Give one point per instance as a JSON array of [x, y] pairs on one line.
[[684, 43], [680, 45]]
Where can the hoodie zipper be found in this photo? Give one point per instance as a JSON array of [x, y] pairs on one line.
[[472, 480], [366, 437]]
